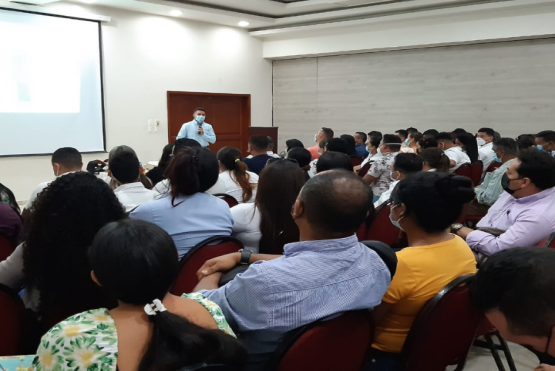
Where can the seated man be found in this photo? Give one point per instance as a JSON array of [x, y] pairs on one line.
[[322, 134], [487, 193], [64, 161], [124, 169], [455, 153], [360, 141], [485, 151], [524, 215], [379, 175], [515, 289], [545, 141], [372, 145], [404, 165], [328, 272], [258, 148], [270, 148]]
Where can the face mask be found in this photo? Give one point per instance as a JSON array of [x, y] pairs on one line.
[[540, 147], [379, 151], [315, 138], [395, 222], [406, 142], [497, 159], [480, 141], [200, 119], [506, 184]]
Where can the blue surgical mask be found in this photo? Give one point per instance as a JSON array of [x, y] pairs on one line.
[[540, 147], [395, 222], [200, 119], [316, 138], [406, 142], [497, 159]]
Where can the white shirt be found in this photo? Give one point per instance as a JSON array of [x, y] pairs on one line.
[[134, 194], [38, 189], [269, 153], [458, 155], [163, 187], [370, 158], [246, 225], [485, 154], [387, 194], [232, 188]]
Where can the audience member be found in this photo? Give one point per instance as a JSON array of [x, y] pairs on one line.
[[52, 263], [258, 148], [487, 193], [412, 143], [434, 159], [468, 143], [270, 151], [430, 133], [7, 197], [458, 131], [455, 153], [412, 130], [486, 149], [64, 161], [515, 290], [333, 160], [545, 141], [156, 174], [124, 169], [321, 150], [525, 141], [404, 165], [10, 224], [293, 143], [150, 329], [303, 157], [328, 263], [323, 134], [379, 174], [373, 146], [425, 143], [524, 214], [187, 213], [239, 183], [337, 145], [403, 134], [423, 205], [105, 176], [360, 140], [351, 145], [267, 225]]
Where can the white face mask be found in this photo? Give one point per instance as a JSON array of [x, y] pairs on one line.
[[480, 141]]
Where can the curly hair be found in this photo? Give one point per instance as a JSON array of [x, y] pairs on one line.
[[65, 218]]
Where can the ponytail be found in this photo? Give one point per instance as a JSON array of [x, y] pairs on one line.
[[230, 158], [176, 343]]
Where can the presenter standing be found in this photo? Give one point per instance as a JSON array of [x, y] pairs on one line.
[[198, 129]]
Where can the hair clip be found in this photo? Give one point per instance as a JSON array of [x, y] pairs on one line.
[[155, 307], [237, 160]]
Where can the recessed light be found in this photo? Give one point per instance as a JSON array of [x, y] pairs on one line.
[[176, 13], [244, 24]]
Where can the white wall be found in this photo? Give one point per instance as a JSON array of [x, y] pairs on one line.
[[144, 57]]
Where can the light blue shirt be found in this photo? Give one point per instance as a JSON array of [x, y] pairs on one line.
[[489, 191], [194, 219], [312, 280], [190, 130]]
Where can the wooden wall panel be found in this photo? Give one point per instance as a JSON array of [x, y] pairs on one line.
[[509, 86]]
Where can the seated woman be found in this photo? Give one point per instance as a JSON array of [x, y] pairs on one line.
[[150, 329], [52, 262], [424, 206], [434, 160], [187, 212], [468, 143], [156, 174], [239, 183], [303, 158], [425, 143], [267, 225]]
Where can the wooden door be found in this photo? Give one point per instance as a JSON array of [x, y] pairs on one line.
[[229, 115]]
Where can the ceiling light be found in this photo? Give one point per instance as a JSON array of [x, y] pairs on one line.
[[176, 13], [244, 24]]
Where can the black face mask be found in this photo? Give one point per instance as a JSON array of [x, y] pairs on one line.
[[506, 184]]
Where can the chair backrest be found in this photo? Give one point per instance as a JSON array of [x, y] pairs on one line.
[[381, 228], [356, 161], [12, 322], [192, 261], [494, 165], [363, 170], [385, 253], [464, 170], [326, 345], [477, 170], [231, 201], [444, 330], [6, 248], [549, 241]]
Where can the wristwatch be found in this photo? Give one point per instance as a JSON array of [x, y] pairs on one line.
[[245, 256], [455, 227]]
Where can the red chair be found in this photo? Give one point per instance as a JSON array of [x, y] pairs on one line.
[[464, 170], [494, 165], [231, 201], [548, 242], [477, 170], [443, 331], [363, 170], [192, 261], [12, 322], [326, 345], [6, 248], [381, 228], [487, 330], [356, 161]]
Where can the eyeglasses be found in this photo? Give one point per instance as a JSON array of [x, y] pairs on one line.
[[276, 159]]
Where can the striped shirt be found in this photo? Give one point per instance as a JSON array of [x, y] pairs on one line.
[[312, 280]]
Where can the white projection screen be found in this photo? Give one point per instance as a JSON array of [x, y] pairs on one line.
[[50, 84]]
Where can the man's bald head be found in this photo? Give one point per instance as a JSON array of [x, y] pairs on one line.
[[337, 201]]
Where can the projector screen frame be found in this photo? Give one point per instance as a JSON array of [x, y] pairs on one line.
[[100, 55]]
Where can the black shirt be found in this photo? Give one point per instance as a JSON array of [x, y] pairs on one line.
[[156, 174], [257, 163]]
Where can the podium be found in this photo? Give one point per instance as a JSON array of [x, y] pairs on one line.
[[270, 131]]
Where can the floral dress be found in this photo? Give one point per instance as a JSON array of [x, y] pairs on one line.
[[88, 341]]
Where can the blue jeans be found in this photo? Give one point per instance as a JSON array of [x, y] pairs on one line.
[[382, 361]]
